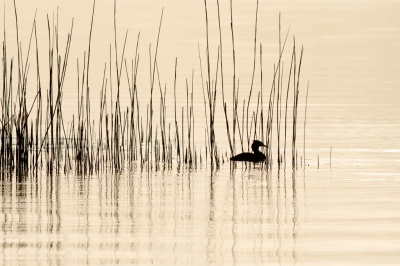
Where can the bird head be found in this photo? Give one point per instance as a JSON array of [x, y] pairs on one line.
[[256, 144]]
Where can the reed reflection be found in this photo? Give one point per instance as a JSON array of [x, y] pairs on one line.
[[241, 216], [234, 216], [295, 216], [211, 225], [267, 213]]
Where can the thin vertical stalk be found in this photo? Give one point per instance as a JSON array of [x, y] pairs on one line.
[[304, 134]]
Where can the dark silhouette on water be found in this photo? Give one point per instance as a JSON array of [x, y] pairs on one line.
[[254, 157]]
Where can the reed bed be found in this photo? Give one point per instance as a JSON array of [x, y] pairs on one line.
[[33, 137]]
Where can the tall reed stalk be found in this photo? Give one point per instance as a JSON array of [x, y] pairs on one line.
[[126, 133]]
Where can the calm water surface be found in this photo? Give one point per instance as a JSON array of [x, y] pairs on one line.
[[342, 208], [323, 216]]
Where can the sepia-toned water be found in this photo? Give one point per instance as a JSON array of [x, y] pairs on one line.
[[340, 206]]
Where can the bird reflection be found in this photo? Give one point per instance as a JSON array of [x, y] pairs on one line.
[[254, 157]]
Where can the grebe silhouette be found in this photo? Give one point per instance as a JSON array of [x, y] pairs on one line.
[[254, 157]]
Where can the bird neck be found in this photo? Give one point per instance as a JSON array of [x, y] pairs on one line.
[[256, 151]]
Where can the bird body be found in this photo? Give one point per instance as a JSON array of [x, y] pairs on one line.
[[254, 157], [249, 157]]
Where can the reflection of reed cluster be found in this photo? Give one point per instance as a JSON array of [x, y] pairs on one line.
[[33, 136]]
